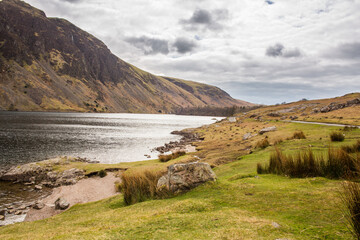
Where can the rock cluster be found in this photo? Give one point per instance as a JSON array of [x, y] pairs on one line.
[[335, 106], [187, 138], [185, 176], [61, 204], [42, 174]]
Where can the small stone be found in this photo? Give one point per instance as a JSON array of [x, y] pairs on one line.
[[275, 225], [39, 205], [11, 211], [2, 218], [61, 204], [38, 187], [18, 212], [22, 207]]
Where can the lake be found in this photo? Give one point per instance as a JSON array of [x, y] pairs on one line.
[[105, 137]]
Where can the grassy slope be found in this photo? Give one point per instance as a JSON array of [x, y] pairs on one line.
[[237, 206]]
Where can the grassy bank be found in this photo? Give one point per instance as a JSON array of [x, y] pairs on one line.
[[239, 205]]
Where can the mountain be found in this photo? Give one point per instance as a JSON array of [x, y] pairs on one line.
[[49, 64]]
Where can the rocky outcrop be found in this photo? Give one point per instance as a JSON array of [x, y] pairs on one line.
[[268, 129], [185, 176], [335, 106], [186, 139], [42, 174]]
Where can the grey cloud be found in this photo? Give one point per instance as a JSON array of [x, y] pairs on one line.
[[72, 1], [278, 50], [347, 51], [204, 19], [149, 45], [183, 45]]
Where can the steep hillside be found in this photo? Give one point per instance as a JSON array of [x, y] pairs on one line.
[[48, 64]]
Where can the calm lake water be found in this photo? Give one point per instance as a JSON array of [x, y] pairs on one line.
[[105, 137]]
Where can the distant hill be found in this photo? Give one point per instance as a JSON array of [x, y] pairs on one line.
[[49, 64]]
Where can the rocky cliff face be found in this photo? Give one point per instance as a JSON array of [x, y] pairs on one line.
[[49, 64]]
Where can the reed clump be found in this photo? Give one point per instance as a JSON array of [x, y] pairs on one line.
[[338, 164], [337, 137], [140, 186], [352, 148], [351, 199], [168, 157], [299, 135], [264, 143]]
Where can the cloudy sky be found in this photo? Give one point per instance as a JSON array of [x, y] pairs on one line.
[[260, 51]]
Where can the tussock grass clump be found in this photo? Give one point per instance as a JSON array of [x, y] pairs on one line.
[[337, 137], [349, 128], [140, 186], [168, 157], [339, 164], [351, 199], [352, 148], [262, 144], [278, 141], [299, 135]]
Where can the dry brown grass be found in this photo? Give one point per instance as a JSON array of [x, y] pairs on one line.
[[299, 135], [140, 186], [264, 143]]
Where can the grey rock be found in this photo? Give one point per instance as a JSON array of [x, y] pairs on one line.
[[247, 136], [22, 173], [2, 212], [275, 225], [18, 212], [185, 176], [39, 205], [268, 129], [2, 217], [61, 204], [38, 187], [22, 207], [274, 114]]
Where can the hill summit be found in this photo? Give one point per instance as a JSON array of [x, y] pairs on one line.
[[49, 64]]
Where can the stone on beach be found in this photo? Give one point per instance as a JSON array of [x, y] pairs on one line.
[[185, 176], [39, 205], [61, 204]]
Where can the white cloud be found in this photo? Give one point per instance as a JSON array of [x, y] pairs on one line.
[[317, 38]]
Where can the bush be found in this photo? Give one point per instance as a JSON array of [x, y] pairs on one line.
[[262, 144], [337, 137], [299, 135], [141, 186], [339, 164], [174, 155], [102, 173], [351, 199]]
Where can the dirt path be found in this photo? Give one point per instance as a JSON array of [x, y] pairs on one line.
[[86, 190], [324, 124]]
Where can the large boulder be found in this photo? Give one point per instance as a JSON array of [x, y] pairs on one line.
[[185, 176], [268, 129]]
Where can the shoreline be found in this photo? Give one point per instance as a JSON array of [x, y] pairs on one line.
[[78, 187]]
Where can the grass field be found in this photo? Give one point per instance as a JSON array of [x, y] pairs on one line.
[[239, 205]]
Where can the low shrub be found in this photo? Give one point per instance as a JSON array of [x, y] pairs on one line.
[[102, 173], [351, 199], [141, 186], [168, 157], [299, 135], [262, 144], [337, 137]]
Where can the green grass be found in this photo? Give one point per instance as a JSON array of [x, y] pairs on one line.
[[239, 205]]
